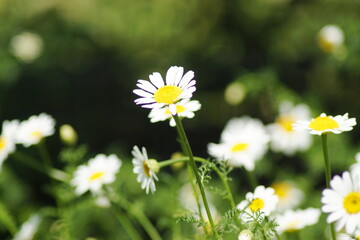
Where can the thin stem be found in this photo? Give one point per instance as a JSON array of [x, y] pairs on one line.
[[129, 228], [45, 156], [327, 173], [251, 178], [193, 166]]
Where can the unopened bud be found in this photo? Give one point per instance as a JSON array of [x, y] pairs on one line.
[[68, 135], [154, 165]]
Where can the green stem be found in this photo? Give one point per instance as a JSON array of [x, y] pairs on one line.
[[127, 225], [251, 178], [45, 156], [327, 173], [197, 176]]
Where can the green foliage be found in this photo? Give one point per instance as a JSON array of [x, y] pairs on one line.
[[7, 219]]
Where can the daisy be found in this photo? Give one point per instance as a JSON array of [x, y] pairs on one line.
[[145, 169], [242, 143], [283, 137], [99, 171], [184, 108], [33, 130], [245, 235], [330, 38], [326, 124], [263, 200], [355, 168], [29, 228], [342, 202], [26, 46], [344, 236], [158, 93], [7, 139], [291, 220], [289, 195]]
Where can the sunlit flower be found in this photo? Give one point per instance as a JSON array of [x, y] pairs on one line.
[[184, 108], [7, 139], [355, 168], [26, 46], [283, 138], [289, 195], [145, 169], [330, 38], [291, 220], [242, 143], [29, 228], [326, 124], [342, 202], [263, 200], [68, 134], [158, 93], [33, 130], [235, 93], [97, 172], [245, 235], [353, 236]]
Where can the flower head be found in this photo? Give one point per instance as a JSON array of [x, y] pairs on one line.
[[342, 202], [330, 38], [99, 171], [158, 93], [353, 236], [243, 142], [289, 195], [145, 169], [26, 46], [355, 168], [7, 139], [245, 235], [184, 108], [291, 220], [263, 200], [33, 130], [28, 228], [283, 138], [326, 124]]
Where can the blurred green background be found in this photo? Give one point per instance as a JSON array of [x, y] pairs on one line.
[[86, 55]]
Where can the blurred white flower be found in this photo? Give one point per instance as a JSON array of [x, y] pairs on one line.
[[330, 38], [291, 220], [26, 46], [68, 134], [234, 93], [283, 138], [7, 139], [355, 168], [342, 202], [353, 236], [242, 143], [326, 124], [245, 235], [289, 195], [145, 169], [99, 171], [28, 228], [33, 130], [184, 108]]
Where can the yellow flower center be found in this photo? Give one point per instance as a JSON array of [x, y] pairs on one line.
[[96, 175], [256, 204], [323, 123], [167, 94], [179, 109], [2, 143], [292, 226], [357, 237], [36, 134], [239, 147], [146, 169], [281, 189], [286, 122], [352, 203]]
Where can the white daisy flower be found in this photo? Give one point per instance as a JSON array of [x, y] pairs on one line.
[[7, 139], [242, 143], [263, 200], [245, 235], [145, 169], [291, 220], [99, 171], [156, 93], [330, 38], [28, 228], [289, 195], [326, 124], [355, 168], [26, 46], [283, 138], [33, 130], [184, 108], [342, 202], [354, 236]]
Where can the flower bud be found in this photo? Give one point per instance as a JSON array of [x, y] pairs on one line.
[[68, 135]]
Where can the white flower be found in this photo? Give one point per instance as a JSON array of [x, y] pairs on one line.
[[355, 168], [289, 195], [245, 235], [29, 228], [292, 220], [342, 202], [145, 169], [99, 171], [354, 236], [33, 130], [283, 138], [326, 124], [242, 143], [184, 108], [263, 200], [156, 93], [7, 139], [26, 46], [330, 38]]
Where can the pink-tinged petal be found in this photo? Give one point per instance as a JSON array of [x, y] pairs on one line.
[[146, 85], [170, 75], [144, 100], [186, 78], [156, 79], [178, 75], [142, 93]]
